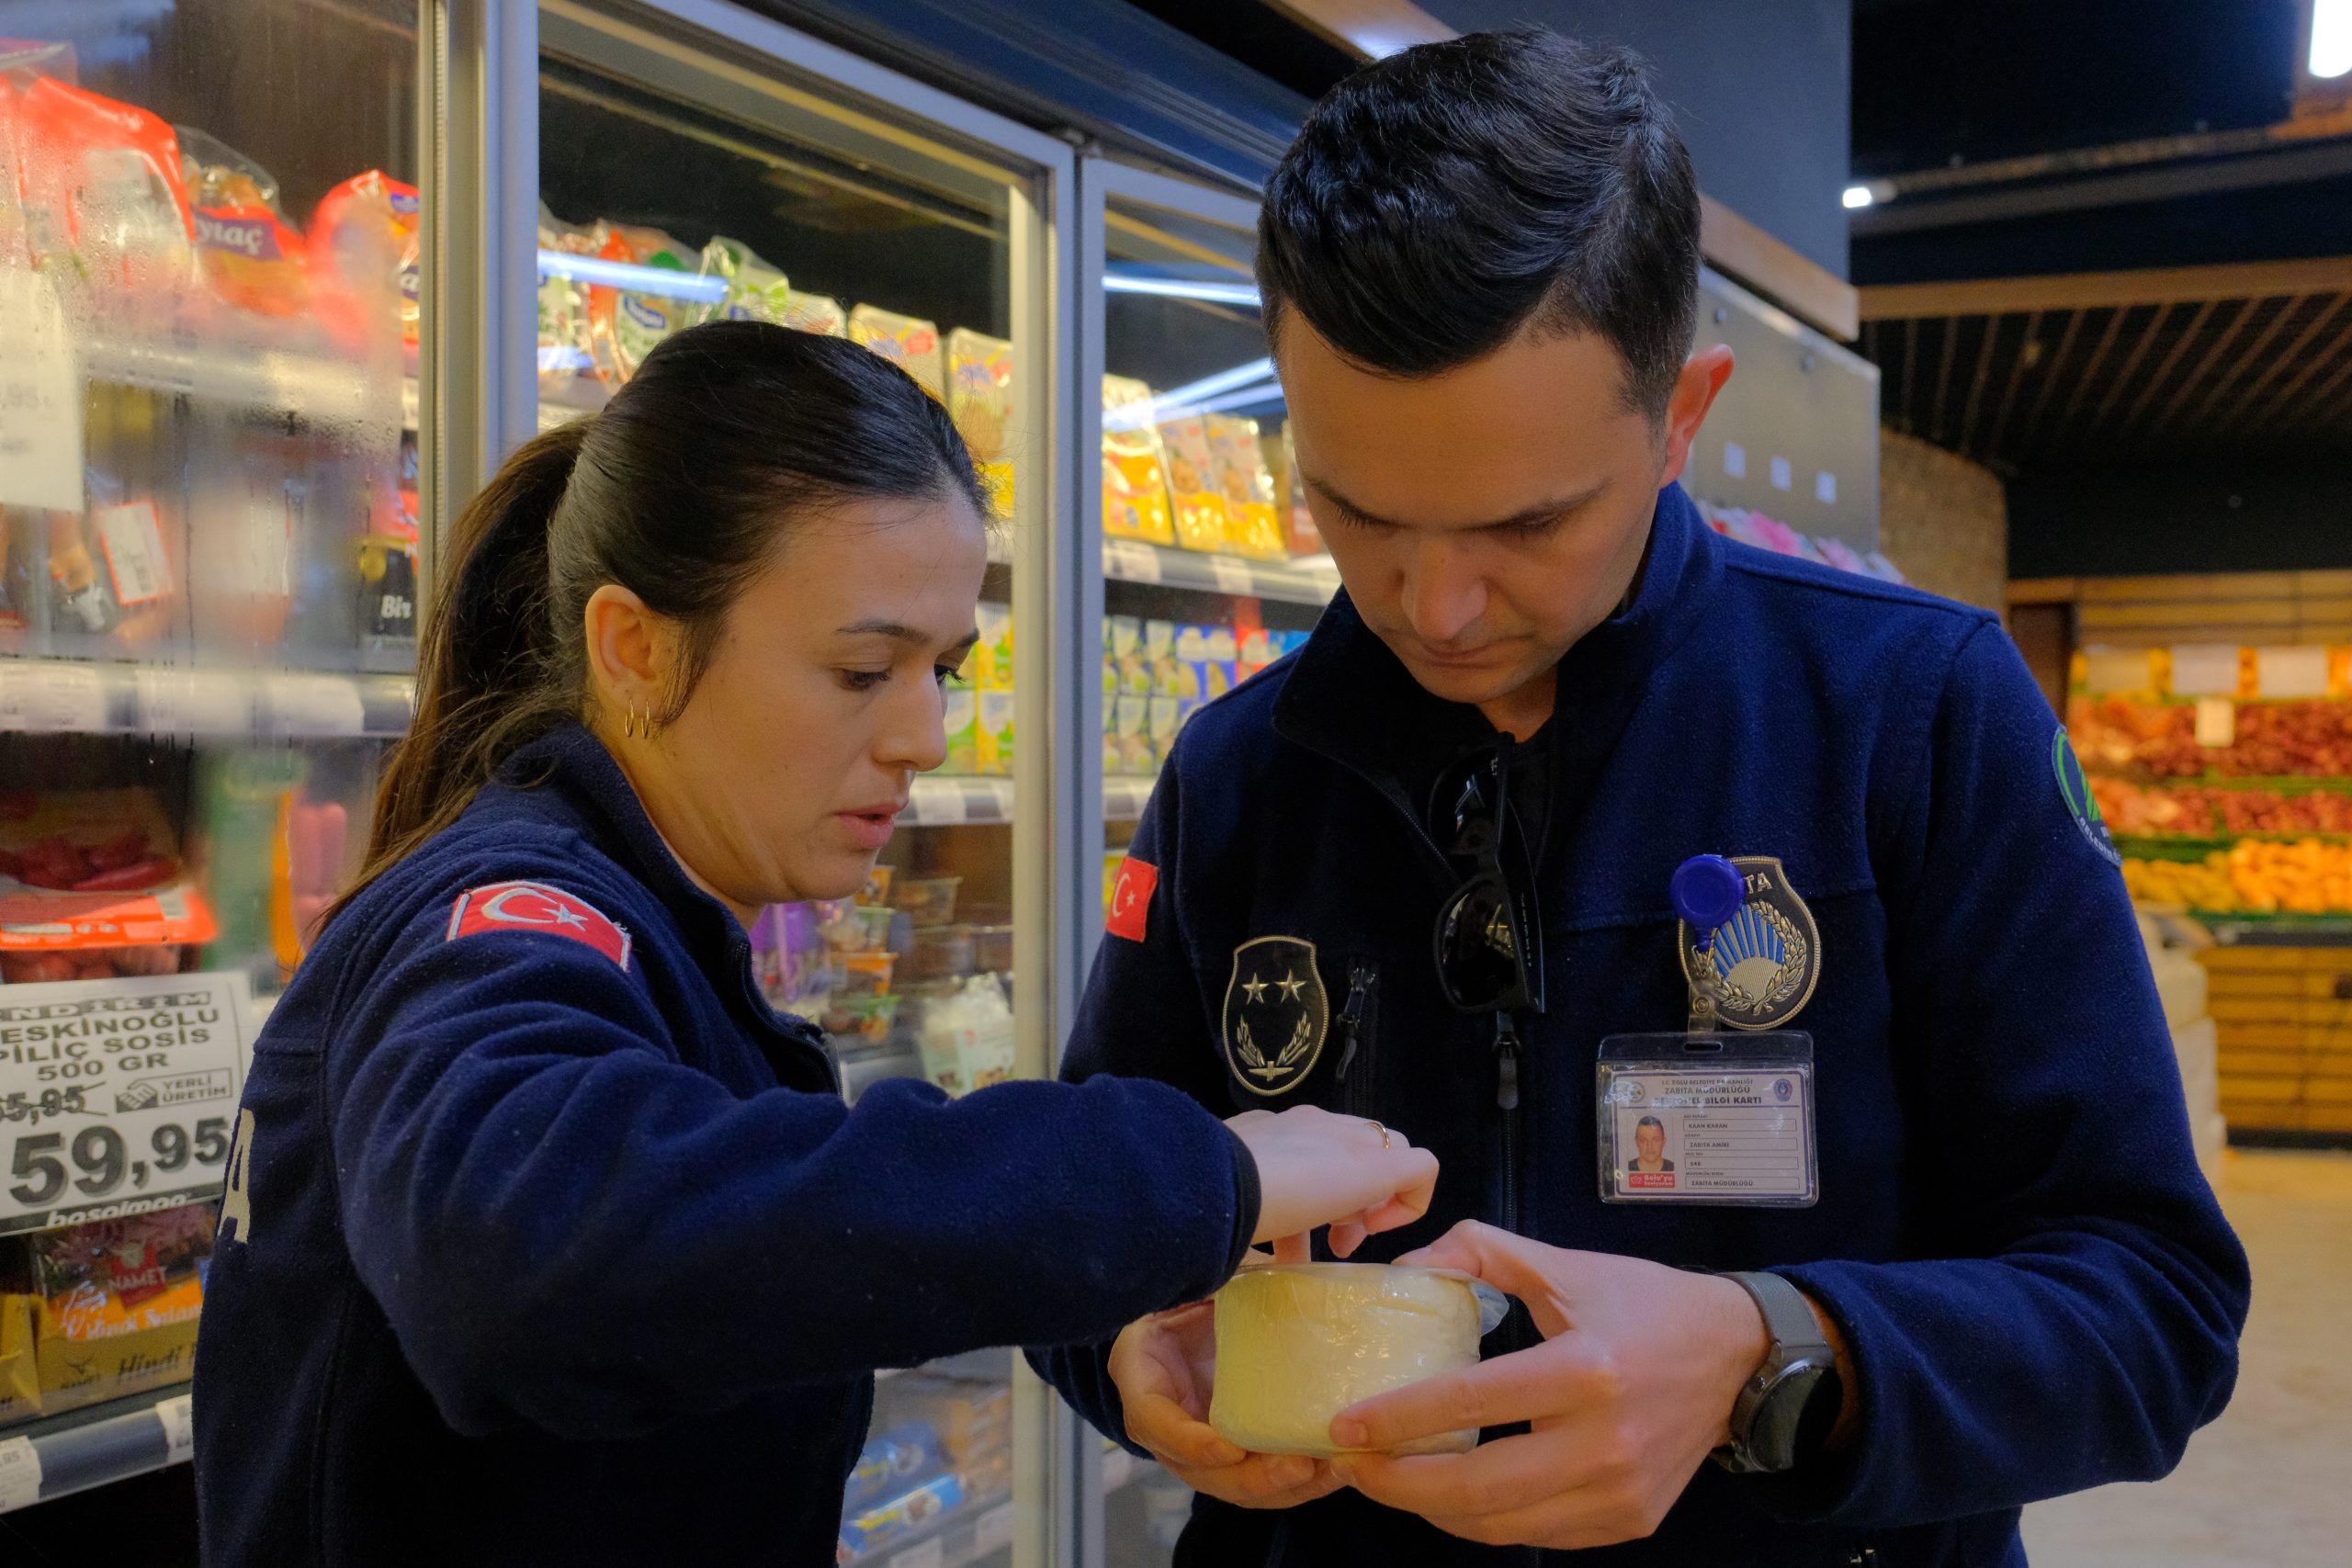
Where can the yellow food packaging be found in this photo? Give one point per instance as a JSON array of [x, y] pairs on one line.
[[90, 1345], [979, 399], [19, 1373], [815, 314], [1201, 512], [909, 341], [1253, 527], [1299, 1343], [963, 715], [1135, 466], [992, 749]]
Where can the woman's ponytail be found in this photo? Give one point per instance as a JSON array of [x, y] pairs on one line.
[[484, 662]]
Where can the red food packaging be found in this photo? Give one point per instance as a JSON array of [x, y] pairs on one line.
[[103, 199], [364, 259]]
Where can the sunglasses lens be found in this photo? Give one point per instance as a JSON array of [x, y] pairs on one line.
[[1477, 953]]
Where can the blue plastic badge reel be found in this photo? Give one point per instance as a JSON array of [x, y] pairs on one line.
[[1711, 1115]]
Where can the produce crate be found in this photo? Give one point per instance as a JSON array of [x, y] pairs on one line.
[[2283, 1016]]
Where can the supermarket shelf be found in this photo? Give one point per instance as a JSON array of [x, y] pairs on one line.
[[968, 1535], [937, 802], [1309, 581], [65, 697], [83, 1449], [309, 385]]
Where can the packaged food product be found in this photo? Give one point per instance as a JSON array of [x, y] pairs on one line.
[[980, 396], [94, 872], [1201, 513], [1306, 539], [1299, 1343], [1134, 466], [928, 900], [887, 1520], [249, 254], [19, 1370], [104, 204], [891, 1463], [365, 260], [1168, 715], [941, 952], [1131, 727], [962, 720], [966, 1038], [992, 745], [755, 291], [1207, 656], [788, 955], [877, 887], [992, 947], [816, 313], [868, 1018], [118, 1303], [990, 667], [564, 355], [1253, 527], [625, 323], [1122, 643], [909, 341], [973, 1420], [864, 974], [114, 571]]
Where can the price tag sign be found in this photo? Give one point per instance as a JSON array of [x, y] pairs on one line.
[[19, 1473], [942, 805], [194, 702], [178, 1417], [118, 1097], [40, 402], [2291, 671], [1130, 561], [52, 698], [315, 704], [1000, 798], [1232, 575]]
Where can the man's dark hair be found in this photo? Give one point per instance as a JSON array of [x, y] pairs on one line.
[[1649, 1122], [1440, 200]]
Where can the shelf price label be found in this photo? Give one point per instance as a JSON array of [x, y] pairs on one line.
[[178, 1415], [1232, 575], [19, 1473], [118, 1097], [41, 398], [1130, 561]]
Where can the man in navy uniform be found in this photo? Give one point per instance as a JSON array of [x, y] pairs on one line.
[[1420, 872]]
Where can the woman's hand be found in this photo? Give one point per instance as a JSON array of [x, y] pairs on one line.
[[1163, 1366], [1315, 1169]]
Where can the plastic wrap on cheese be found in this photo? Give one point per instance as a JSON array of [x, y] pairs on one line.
[[1299, 1343]]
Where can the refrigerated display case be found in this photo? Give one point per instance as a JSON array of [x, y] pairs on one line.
[[210, 282]]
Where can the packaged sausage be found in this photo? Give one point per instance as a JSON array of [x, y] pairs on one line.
[[909, 341], [104, 206], [365, 260], [1135, 466], [89, 879], [625, 323]]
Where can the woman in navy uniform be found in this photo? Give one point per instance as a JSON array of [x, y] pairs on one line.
[[1479, 264], [547, 1240]]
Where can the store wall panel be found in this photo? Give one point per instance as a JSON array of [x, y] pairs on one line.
[[1943, 520]]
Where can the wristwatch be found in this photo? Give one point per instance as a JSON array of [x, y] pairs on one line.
[[1788, 1407]]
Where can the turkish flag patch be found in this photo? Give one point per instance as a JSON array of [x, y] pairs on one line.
[[1131, 898], [535, 906]]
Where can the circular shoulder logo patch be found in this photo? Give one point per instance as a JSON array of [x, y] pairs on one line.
[[2074, 789]]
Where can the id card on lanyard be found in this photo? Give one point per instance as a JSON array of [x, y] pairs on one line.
[[1707, 1118]]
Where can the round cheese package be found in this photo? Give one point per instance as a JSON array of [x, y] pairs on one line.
[[1297, 1343]]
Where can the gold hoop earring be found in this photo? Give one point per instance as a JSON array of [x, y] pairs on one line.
[[628, 727]]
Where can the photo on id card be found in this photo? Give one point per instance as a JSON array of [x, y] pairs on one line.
[[1707, 1118]]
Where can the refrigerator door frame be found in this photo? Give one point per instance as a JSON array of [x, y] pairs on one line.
[[1102, 179], [495, 161]]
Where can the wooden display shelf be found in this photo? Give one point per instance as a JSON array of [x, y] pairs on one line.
[[2283, 1024]]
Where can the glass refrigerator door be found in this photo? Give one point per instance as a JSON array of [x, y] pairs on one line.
[[744, 170], [209, 542], [1211, 567]]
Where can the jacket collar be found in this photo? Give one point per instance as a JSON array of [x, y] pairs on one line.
[[1351, 699]]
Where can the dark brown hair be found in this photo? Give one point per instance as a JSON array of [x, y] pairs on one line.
[[728, 432]]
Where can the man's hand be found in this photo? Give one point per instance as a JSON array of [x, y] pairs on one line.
[[1632, 1387], [1164, 1367]]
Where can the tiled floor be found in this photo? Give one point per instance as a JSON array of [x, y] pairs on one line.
[[2269, 1485]]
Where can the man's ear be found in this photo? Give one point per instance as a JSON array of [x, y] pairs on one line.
[[1686, 408]]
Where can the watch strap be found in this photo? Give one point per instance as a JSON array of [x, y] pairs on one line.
[[1787, 1314]]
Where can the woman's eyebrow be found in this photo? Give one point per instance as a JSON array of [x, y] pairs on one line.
[[898, 631]]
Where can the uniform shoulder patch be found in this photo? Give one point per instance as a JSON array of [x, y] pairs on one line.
[[1131, 898], [535, 906], [2074, 790]]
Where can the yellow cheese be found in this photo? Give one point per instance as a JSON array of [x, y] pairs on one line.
[[1296, 1344]]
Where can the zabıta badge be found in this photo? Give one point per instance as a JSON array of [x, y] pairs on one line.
[[2074, 789], [1766, 957], [1277, 1014]]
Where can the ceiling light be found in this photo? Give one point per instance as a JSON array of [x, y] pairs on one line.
[[1858, 196], [636, 279], [1181, 288], [2331, 38]]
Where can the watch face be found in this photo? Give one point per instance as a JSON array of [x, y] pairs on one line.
[[1772, 1441]]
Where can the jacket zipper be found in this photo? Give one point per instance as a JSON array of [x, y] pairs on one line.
[[1363, 980], [1862, 1557], [1507, 1102]]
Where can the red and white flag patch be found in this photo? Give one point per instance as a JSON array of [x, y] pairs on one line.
[[1131, 898], [535, 906]]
